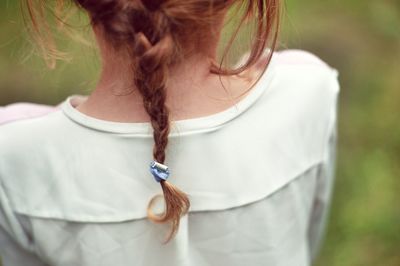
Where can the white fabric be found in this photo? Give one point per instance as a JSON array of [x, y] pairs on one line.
[[74, 189]]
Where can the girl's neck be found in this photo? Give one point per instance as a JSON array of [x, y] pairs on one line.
[[192, 91]]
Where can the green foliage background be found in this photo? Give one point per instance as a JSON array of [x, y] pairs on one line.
[[360, 38]]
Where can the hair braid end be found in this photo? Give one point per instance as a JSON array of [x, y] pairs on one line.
[[177, 204]]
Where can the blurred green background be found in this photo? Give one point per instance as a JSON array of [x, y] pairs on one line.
[[360, 38]]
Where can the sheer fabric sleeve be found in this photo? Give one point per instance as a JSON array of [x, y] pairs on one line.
[[16, 247], [325, 184]]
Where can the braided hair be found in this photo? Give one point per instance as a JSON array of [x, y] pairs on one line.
[[157, 34]]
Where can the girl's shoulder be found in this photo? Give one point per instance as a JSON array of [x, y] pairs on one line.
[[299, 69], [304, 73], [302, 61]]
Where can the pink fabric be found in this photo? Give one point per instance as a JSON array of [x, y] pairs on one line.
[[295, 57], [24, 110]]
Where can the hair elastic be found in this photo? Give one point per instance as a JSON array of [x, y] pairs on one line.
[[159, 171]]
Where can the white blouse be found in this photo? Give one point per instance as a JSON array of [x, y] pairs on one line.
[[74, 189]]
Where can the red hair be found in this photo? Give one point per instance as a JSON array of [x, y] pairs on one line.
[[157, 34]]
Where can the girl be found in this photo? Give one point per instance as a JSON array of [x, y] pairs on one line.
[[244, 181]]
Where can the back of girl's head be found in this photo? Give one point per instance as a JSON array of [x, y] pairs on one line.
[[156, 34]]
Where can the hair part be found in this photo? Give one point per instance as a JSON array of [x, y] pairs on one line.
[[156, 33]]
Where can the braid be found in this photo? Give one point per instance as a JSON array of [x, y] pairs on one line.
[[151, 70], [145, 26]]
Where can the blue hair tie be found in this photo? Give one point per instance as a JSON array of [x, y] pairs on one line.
[[159, 171]]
